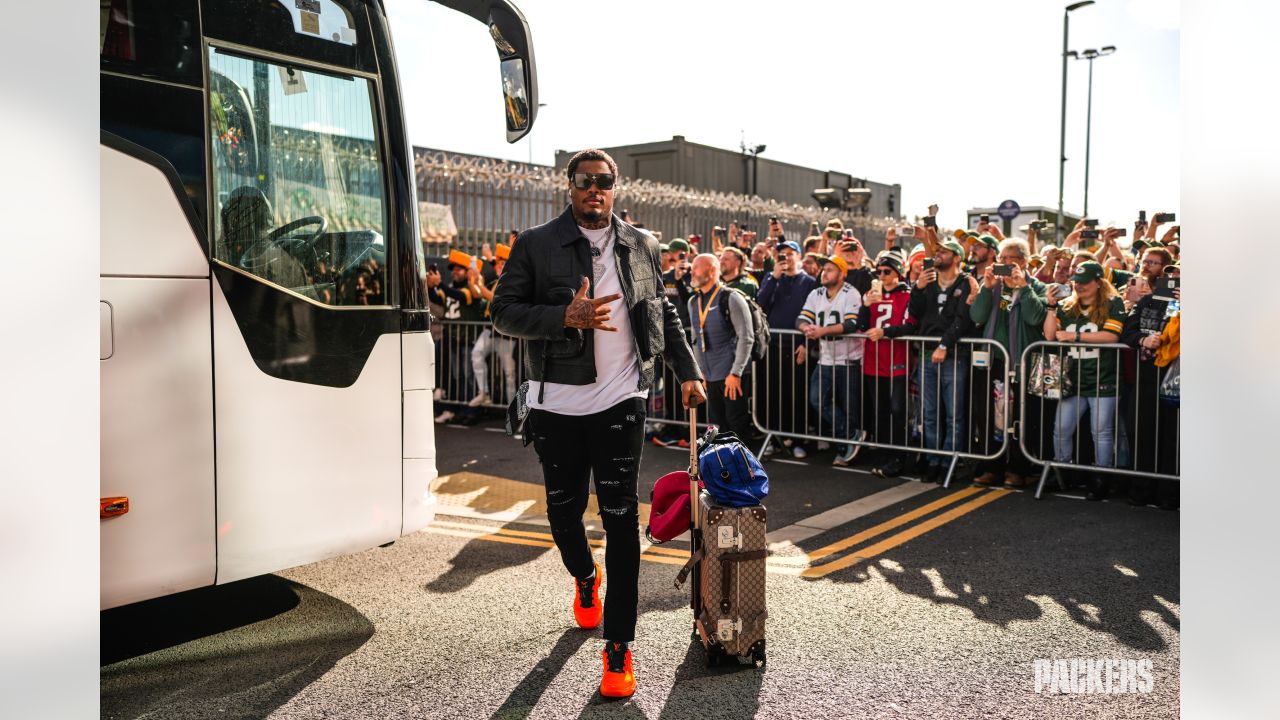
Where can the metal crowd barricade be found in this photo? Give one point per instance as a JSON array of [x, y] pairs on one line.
[[472, 357], [1142, 436], [892, 409]]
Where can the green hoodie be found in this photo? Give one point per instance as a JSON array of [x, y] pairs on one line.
[[1029, 304]]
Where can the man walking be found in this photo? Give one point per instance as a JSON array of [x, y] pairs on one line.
[[585, 291]]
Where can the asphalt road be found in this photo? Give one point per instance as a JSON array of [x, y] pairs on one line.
[[888, 598]]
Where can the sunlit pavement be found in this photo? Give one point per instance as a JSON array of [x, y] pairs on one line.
[[887, 598]]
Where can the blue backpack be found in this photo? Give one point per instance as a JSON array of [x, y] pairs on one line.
[[731, 473]]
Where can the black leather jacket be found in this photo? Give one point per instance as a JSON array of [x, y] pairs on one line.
[[543, 273]]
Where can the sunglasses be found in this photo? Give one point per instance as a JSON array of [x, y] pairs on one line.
[[887, 271], [604, 181]]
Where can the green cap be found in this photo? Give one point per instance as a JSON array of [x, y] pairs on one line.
[[663, 247], [989, 240], [1087, 271], [678, 245], [953, 246]]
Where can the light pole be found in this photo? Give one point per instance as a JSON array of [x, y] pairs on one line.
[[749, 183], [1089, 55], [1062, 140]]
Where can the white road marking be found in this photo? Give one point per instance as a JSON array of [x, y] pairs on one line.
[[837, 516]]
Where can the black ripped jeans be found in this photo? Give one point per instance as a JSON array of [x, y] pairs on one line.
[[607, 444]]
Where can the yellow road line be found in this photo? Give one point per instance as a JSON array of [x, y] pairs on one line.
[[895, 540], [892, 523]]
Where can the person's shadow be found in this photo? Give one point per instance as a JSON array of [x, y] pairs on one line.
[[266, 639], [520, 703], [1105, 591]]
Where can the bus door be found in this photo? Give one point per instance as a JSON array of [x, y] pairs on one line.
[[306, 343]]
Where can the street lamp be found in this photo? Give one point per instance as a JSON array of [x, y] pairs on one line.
[[1089, 55], [1062, 140], [754, 152]]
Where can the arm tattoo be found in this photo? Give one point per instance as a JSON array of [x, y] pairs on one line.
[[580, 314]]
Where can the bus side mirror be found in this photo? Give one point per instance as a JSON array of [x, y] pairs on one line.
[[510, 33]]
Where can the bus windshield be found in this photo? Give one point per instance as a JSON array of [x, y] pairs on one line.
[[298, 185]]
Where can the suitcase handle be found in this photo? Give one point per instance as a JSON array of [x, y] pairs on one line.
[[727, 562]]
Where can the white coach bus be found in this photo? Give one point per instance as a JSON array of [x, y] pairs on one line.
[[266, 362]]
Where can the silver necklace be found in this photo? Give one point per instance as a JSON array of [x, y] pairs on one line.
[[597, 261]]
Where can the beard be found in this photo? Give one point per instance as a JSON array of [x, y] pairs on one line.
[[593, 218]]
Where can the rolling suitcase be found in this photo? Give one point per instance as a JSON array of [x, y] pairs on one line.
[[727, 561]]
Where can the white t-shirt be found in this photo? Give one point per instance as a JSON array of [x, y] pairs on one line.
[[822, 310], [617, 365]]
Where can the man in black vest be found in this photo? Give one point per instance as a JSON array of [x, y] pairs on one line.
[[585, 290]]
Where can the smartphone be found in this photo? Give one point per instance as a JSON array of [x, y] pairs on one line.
[[984, 218], [1142, 216], [1061, 291], [1165, 286], [1091, 223], [1002, 270], [930, 221], [928, 264], [833, 234], [1164, 218], [906, 231]]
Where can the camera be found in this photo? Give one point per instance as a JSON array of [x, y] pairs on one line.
[[984, 218], [773, 220], [1002, 270], [1142, 216], [1120, 232], [1091, 223], [718, 229], [1039, 225], [906, 232], [930, 221], [1164, 218], [1091, 234]]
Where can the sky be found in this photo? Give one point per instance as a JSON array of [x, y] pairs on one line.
[[958, 102]]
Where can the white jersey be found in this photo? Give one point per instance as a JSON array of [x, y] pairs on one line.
[[822, 311]]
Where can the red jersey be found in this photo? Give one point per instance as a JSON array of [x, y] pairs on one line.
[[888, 358]]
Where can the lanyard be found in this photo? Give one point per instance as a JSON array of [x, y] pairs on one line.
[[702, 316]]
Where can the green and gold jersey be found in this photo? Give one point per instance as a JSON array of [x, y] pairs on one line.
[[746, 284], [1092, 372]]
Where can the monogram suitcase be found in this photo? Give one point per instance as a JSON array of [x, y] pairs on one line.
[[728, 565]]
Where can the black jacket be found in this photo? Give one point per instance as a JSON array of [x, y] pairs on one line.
[[543, 273], [943, 314]]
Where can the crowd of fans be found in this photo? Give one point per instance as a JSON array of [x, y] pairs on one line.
[[837, 365]]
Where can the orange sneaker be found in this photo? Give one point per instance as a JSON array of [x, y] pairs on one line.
[[587, 609], [618, 680]]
